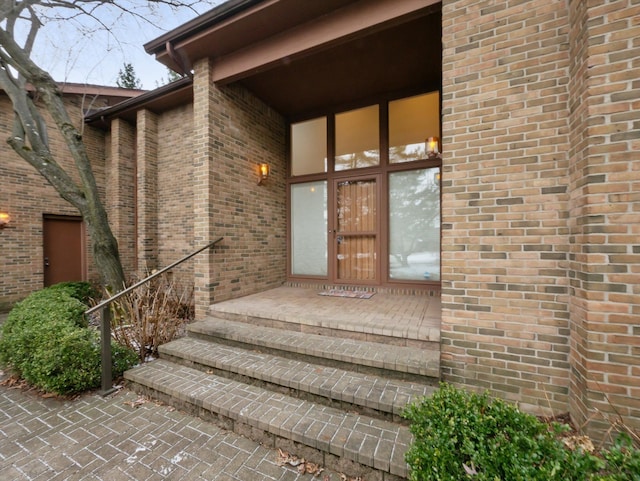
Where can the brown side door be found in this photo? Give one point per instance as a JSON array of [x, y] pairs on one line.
[[63, 238]]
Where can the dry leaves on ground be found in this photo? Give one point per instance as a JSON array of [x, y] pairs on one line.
[[301, 465], [137, 403], [13, 382], [583, 442], [305, 467]]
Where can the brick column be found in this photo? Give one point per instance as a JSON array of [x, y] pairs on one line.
[[203, 180], [147, 191], [505, 295], [233, 132], [605, 213], [120, 192]]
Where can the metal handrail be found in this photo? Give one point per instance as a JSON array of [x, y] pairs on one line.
[[105, 318]]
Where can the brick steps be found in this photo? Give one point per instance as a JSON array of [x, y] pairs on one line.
[[346, 442], [371, 357], [336, 402], [379, 397]]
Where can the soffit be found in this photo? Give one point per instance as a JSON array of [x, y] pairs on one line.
[[302, 55], [400, 60]]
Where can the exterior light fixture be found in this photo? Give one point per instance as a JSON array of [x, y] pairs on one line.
[[264, 173], [432, 147], [4, 220]]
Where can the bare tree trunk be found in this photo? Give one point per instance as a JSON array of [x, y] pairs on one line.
[[30, 141]]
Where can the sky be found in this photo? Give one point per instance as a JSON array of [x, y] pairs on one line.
[[80, 50]]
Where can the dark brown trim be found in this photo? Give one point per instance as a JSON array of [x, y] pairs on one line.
[[199, 24], [171, 94], [377, 233], [366, 101], [381, 173]]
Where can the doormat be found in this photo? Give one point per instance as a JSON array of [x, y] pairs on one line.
[[345, 293]]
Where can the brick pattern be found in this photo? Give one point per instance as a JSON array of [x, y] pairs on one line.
[[386, 398], [505, 293], [203, 183], [125, 437], [234, 132], [605, 211], [175, 192], [121, 192], [26, 195], [541, 211], [368, 447], [147, 191]]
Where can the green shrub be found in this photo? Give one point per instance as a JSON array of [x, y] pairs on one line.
[[83, 291], [622, 460], [460, 435], [20, 332], [46, 341]]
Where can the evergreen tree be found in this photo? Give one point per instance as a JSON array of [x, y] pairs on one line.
[[172, 76], [127, 78]]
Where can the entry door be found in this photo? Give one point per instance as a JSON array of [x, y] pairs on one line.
[[63, 249], [357, 231]]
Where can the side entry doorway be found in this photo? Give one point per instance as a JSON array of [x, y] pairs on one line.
[[63, 249]]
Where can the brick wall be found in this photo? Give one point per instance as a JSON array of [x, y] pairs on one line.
[[233, 132], [176, 190], [120, 177], [541, 204], [26, 195], [147, 191], [505, 294], [605, 212]]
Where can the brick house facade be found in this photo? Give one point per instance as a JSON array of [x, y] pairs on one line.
[[30, 200], [541, 212], [540, 189]]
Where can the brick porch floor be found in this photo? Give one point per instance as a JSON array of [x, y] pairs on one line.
[[398, 316]]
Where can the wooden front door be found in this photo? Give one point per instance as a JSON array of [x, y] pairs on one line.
[[356, 232], [63, 246]]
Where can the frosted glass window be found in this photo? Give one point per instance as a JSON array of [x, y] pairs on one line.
[[309, 229], [414, 225], [309, 147], [357, 138], [411, 122]]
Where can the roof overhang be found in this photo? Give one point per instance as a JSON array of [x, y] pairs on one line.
[[168, 96], [303, 56]]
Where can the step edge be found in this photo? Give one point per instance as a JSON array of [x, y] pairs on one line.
[[392, 408], [134, 376], [429, 367]]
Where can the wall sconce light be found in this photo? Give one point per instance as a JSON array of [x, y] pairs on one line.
[[4, 220], [264, 173], [432, 147]]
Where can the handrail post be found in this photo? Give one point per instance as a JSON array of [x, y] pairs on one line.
[[105, 319], [105, 341]]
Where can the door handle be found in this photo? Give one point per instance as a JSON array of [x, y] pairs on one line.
[[46, 262]]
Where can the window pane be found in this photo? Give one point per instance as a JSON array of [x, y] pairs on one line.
[[309, 229], [414, 225], [357, 138], [411, 122], [309, 147]]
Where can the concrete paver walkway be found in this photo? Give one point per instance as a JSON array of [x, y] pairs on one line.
[[119, 438]]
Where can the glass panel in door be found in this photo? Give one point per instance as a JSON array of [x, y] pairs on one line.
[[356, 230]]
